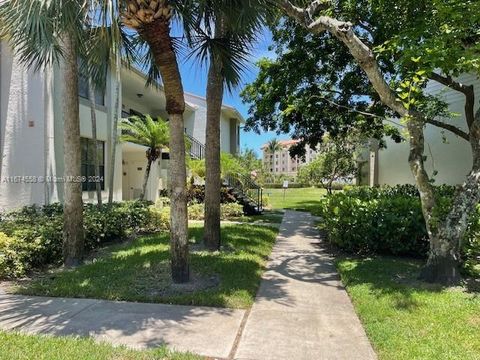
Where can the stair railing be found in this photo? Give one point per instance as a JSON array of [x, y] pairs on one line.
[[197, 149], [247, 187]]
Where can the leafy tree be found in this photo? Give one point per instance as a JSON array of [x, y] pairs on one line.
[[398, 46], [229, 165], [249, 160], [335, 163], [154, 134]]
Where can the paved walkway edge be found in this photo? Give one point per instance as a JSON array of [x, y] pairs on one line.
[[302, 310]]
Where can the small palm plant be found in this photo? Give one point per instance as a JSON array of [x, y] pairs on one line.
[[148, 132]]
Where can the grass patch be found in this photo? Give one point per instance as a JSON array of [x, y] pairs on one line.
[[303, 199], [267, 217], [140, 271], [407, 319], [15, 346]]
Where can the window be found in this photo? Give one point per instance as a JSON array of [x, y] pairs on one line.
[[89, 151], [83, 91], [83, 88]]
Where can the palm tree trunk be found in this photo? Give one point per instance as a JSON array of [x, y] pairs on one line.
[[98, 186], [113, 156], [157, 35], [73, 235], [213, 183], [145, 179]]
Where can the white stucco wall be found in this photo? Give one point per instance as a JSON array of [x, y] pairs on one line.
[[23, 139], [452, 160]]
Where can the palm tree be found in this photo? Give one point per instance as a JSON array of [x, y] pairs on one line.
[[154, 134], [222, 36], [93, 115], [151, 20], [41, 32], [273, 146]]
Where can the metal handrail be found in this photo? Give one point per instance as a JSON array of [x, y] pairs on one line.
[[197, 149], [246, 186]]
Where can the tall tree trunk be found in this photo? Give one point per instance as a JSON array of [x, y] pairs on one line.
[[145, 178], [213, 182], [157, 35], [443, 259], [73, 235], [113, 155], [93, 113]]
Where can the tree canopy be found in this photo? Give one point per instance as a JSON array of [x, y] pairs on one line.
[[315, 85]]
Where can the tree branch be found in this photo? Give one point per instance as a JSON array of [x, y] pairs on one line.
[[467, 90], [449, 127], [448, 81]]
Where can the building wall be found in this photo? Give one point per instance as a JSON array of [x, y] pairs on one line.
[[31, 133], [452, 159], [282, 163], [196, 123], [23, 140]]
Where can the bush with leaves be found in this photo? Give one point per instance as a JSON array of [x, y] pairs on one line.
[[388, 220], [32, 236], [375, 224], [227, 211]]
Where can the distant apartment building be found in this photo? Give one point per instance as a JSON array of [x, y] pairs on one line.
[[281, 163]]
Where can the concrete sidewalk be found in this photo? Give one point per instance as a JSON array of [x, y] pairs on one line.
[[202, 330], [302, 310]]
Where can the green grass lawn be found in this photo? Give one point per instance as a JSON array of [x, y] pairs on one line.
[[140, 271], [15, 346], [407, 319], [306, 199]]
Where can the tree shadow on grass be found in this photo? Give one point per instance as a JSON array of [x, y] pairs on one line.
[[395, 278]]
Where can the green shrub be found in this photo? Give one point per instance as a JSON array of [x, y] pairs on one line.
[[227, 211], [389, 220], [196, 212], [231, 210], [32, 236], [365, 224]]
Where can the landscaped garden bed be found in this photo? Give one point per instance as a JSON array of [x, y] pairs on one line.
[[139, 270]]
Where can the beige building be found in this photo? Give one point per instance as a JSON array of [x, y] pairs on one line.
[[281, 163], [446, 153], [31, 134]]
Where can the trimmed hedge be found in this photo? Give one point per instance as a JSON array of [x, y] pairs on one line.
[[32, 237], [377, 223], [389, 220]]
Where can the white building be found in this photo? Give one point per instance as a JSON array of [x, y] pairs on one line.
[[281, 163], [452, 159], [31, 134]]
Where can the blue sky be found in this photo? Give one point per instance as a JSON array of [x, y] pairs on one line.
[[194, 81]]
